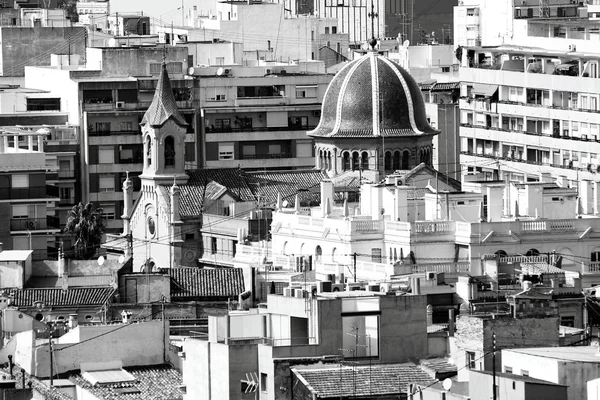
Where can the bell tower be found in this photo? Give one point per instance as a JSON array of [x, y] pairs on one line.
[[163, 133]]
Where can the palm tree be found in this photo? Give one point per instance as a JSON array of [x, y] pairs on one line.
[[86, 224]]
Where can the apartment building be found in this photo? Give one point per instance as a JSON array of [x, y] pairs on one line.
[[256, 117], [27, 203], [108, 97], [530, 94]]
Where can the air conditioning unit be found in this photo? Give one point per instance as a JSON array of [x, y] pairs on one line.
[[120, 104], [583, 137], [268, 71], [374, 288], [324, 287], [523, 2], [287, 292], [31, 224], [227, 71], [572, 47], [430, 276], [317, 113], [181, 354], [338, 287], [300, 293]]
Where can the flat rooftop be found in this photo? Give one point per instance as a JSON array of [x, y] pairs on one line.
[[15, 255], [588, 354]]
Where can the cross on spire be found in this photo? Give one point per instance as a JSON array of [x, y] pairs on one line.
[[373, 15]]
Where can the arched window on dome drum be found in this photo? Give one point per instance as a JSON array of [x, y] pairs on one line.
[[405, 159], [329, 161], [396, 164], [148, 151], [320, 159], [355, 161], [387, 161], [169, 151], [346, 161], [364, 159]]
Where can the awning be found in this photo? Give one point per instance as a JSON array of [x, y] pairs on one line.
[[482, 89], [445, 86]]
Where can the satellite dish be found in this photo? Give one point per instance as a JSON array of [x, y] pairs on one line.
[[447, 384], [406, 43], [220, 71], [121, 259], [285, 203], [433, 33], [101, 260], [382, 211], [191, 71]]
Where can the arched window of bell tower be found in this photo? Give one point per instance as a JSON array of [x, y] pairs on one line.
[[169, 151]]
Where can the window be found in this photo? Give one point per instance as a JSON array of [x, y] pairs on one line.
[[470, 358], [107, 183], [225, 151], [106, 155], [568, 321], [43, 104], [20, 211], [263, 382], [584, 102], [20, 181], [376, 255], [149, 151], [108, 211], [524, 372], [223, 124], [248, 150], [169, 151], [220, 60], [103, 127], [65, 193], [172, 68], [274, 149], [508, 369], [306, 91], [327, 30], [125, 126], [304, 149], [334, 30], [298, 122], [213, 245]]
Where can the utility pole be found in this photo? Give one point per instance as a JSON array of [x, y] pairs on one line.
[[51, 358], [494, 394], [354, 258]]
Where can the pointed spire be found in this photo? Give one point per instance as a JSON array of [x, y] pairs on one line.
[[163, 106]]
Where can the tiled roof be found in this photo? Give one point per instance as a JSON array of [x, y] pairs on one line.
[[439, 365], [90, 296], [384, 379], [73, 281], [444, 86], [246, 187], [152, 382], [39, 387], [368, 133], [540, 268], [163, 106], [205, 283]]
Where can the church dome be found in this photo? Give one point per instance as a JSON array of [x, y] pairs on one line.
[[372, 97]]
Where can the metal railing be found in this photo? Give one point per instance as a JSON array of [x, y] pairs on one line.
[[66, 173], [28, 193], [24, 224]]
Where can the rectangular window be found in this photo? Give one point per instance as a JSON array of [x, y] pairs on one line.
[[376, 255], [274, 149], [20, 211], [213, 245], [172, 68], [524, 372], [108, 211], [334, 30], [508, 370], [220, 60], [567, 321], [263, 382], [65, 193], [126, 126], [103, 127], [327, 30], [106, 183], [225, 151], [248, 150], [40, 104], [298, 122], [304, 149], [470, 358], [20, 181], [106, 155], [306, 91], [584, 102], [223, 124]]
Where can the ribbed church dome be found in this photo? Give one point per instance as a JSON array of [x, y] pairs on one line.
[[370, 97]]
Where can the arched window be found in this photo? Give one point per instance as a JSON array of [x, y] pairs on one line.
[[387, 161], [500, 253], [346, 161], [302, 249], [333, 254], [405, 159], [318, 253], [169, 151], [329, 161], [396, 164], [355, 161], [284, 249], [532, 252], [148, 150], [364, 160]]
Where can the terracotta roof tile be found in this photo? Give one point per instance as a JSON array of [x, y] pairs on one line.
[[160, 382], [90, 296], [385, 379], [163, 106], [187, 283]]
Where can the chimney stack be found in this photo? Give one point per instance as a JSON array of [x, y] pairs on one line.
[[73, 321]]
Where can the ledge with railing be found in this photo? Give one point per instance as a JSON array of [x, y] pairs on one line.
[[30, 224]]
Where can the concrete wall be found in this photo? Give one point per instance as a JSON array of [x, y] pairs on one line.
[[12, 274], [573, 374], [133, 344], [480, 388], [29, 46], [20, 347]]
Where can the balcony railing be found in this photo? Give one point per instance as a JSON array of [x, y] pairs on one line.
[[260, 129], [115, 133], [36, 192], [66, 173], [266, 156], [30, 224]]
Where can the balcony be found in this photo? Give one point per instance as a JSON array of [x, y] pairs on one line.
[[38, 192], [266, 156], [260, 129], [32, 224], [66, 173], [115, 133], [261, 101]]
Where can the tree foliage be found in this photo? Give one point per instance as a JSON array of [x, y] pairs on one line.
[[458, 53], [70, 7], [86, 225]]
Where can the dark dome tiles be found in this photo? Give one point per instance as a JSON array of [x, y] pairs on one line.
[[357, 109]]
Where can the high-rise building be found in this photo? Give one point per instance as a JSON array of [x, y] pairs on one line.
[[530, 92]]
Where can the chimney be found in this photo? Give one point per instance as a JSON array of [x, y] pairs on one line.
[[73, 321], [415, 285]]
